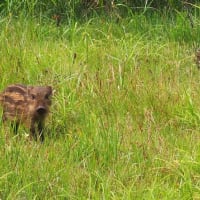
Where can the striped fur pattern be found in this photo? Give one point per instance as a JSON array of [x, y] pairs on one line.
[[28, 105]]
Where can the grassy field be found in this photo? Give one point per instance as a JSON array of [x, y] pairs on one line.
[[125, 120]]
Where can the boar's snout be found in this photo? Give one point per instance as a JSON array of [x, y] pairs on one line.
[[41, 110]]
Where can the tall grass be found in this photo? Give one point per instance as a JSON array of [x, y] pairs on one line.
[[79, 9], [125, 114]]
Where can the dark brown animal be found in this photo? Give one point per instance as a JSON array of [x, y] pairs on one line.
[[28, 105], [57, 18]]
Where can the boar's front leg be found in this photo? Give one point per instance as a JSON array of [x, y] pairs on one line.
[[32, 131], [40, 130]]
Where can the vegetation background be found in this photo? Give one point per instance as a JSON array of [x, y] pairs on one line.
[[126, 112]]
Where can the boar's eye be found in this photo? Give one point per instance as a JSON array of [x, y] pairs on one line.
[[33, 96], [46, 96]]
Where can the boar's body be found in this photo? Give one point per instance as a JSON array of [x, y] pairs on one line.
[[28, 105]]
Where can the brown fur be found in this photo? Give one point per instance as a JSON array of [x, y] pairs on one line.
[[28, 105]]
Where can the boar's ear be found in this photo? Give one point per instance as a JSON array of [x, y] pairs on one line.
[[29, 89], [49, 90]]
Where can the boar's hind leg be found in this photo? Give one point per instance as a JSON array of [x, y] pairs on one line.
[[15, 126]]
